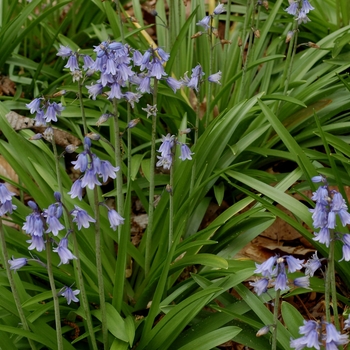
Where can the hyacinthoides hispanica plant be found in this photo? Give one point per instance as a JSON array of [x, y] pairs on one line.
[[231, 150]]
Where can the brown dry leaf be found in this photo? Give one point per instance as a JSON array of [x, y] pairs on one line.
[[261, 248], [6, 170], [19, 122], [62, 138], [7, 86]]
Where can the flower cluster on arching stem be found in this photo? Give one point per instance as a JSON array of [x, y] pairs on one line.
[[330, 204], [274, 271], [93, 168], [316, 334], [44, 110], [40, 224], [299, 9], [166, 151]]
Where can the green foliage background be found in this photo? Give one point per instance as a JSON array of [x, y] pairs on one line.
[[257, 123]]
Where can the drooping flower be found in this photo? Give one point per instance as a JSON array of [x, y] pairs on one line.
[[107, 170], [260, 286], [16, 264], [37, 243], [70, 295], [64, 253], [95, 90], [82, 162], [52, 216], [185, 152], [293, 7], [306, 6], [81, 217], [72, 63], [293, 263], [281, 281], [165, 161], [196, 77], [302, 18], [204, 22], [347, 323], [302, 282], [215, 78], [144, 85], [34, 224], [115, 219], [219, 9], [6, 205], [76, 190], [52, 111], [34, 106], [166, 147], [310, 338], [174, 84], [64, 51], [312, 265], [333, 337], [266, 268], [90, 179]]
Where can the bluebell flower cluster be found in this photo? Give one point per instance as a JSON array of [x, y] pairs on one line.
[[330, 204], [118, 66], [38, 223], [274, 272], [165, 159], [300, 9], [46, 111], [315, 335], [92, 167]]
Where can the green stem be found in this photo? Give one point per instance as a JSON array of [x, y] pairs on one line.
[[14, 290], [327, 294], [333, 287], [242, 93], [196, 135], [171, 208], [54, 295], [82, 109], [119, 278], [151, 185], [289, 59], [275, 320], [80, 282], [120, 21], [211, 48], [101, 289]]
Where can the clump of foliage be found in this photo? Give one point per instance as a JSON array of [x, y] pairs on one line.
[[171, 115]]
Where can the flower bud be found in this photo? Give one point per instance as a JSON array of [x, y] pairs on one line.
[[59, 93], [70, 148], [36, 137], [263, 331], [48, 134], [103, 118], [198, 34], [133, 123], [93, 136]]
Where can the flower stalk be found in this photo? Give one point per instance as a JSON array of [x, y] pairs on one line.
[[13, 287], [54, 296], [152, 184]]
